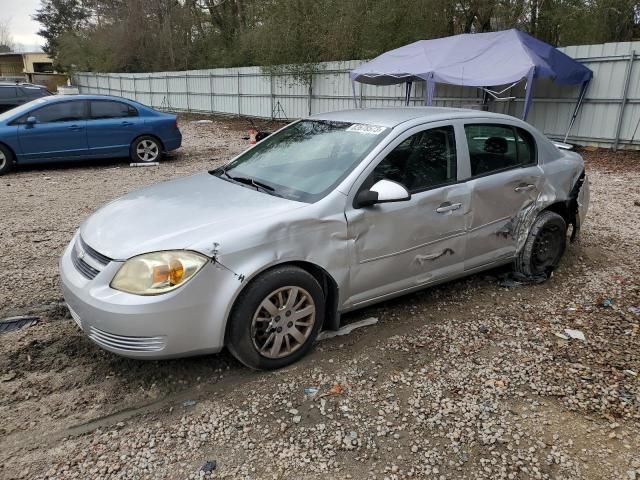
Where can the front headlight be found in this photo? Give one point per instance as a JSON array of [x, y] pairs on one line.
[[158, 272]]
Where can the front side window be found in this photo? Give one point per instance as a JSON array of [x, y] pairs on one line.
[[107, 109], [424, 160], [306, 160], [494, 148], [60, 112]]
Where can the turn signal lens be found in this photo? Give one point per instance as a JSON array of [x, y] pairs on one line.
[[159, 272]]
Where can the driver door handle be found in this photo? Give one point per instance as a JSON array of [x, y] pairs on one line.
[[524, 188], [75, 127], [448, 207]]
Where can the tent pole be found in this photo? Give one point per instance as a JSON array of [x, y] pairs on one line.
[[528, 96], [583, 92], [407, 93], [355, 98]]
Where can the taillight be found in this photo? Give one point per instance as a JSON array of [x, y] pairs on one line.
[[177, 126]]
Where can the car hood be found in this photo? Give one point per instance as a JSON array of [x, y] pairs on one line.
[[177, 215]]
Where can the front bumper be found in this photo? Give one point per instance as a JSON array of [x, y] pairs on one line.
[[187, 321]]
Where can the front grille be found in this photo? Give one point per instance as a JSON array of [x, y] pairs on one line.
[[83, 267], [86, 260], [98, 257], [128, 344]]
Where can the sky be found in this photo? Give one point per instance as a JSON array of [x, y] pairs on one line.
[[23, 29]]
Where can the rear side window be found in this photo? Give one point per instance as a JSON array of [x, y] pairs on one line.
[[8, 92], [60, 112], [424, 160], [105, 109], [34, 92], [494, 148]]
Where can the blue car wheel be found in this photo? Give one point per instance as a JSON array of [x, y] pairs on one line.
[[146, 149], [6, 160]]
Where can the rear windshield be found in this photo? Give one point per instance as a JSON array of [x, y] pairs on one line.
[[306, 160]]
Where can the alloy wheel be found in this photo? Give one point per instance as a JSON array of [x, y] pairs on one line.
[[147, 150], [283, 322], [3, 160]]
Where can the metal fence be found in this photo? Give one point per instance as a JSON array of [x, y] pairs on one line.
[[610, 114]]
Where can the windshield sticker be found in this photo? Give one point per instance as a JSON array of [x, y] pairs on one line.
[[369, 129]]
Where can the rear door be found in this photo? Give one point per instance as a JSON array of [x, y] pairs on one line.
[[505, 183], [59, 132], [112, 127], [399, 246]]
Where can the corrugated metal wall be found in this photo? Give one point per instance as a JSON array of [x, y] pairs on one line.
[[610, 114]]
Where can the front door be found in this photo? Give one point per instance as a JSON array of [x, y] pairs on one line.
[[59, 132], [505, 183], [399, 246]]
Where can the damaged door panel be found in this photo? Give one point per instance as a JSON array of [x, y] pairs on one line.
[[498, 204], [398, 246], [401, 245]]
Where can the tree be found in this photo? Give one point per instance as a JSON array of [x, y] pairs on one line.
[[6, 39], [57, 18], [153, 35]]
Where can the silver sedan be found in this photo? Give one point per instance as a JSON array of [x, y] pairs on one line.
[[327, 215]]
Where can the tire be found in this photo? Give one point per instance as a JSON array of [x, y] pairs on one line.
[[253, 332], [145, 149], [6, 160], [544, 247]]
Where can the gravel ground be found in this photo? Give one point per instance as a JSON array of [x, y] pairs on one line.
[[464, 381]]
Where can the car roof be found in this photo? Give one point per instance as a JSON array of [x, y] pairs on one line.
[[62, 98], [20, 84], [392, 117]]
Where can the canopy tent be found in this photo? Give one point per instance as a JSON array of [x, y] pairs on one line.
[[479, 60]]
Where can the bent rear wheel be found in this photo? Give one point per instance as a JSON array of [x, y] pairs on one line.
[[544, 246], [276, 319]]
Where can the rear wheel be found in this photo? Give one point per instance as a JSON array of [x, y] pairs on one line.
[[544, 247], [6, 160], [276, 319], [146, 149]]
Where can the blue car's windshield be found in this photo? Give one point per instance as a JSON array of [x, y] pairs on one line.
[[306, 160], [16, 112]]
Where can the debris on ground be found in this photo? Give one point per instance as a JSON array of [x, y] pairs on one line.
[[311, 391], [201, 122], [336, 389], [347, 329], [516, 279], [189, 403], [145, 164], [209, 466], [15, 323], [574, 334]]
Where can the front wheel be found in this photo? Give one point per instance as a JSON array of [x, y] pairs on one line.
[[544, 246], [145, 149], [276, 319]]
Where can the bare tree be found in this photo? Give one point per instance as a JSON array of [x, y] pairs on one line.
[[6, 39]]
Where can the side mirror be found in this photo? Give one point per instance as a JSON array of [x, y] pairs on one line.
[[383, 191], [31, 121]]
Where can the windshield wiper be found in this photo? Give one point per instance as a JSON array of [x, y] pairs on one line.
[[249, 181]]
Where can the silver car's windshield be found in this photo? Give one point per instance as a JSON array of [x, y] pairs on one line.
[[306, 160]]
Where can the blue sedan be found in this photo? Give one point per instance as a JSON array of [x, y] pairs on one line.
[[63, 128]]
